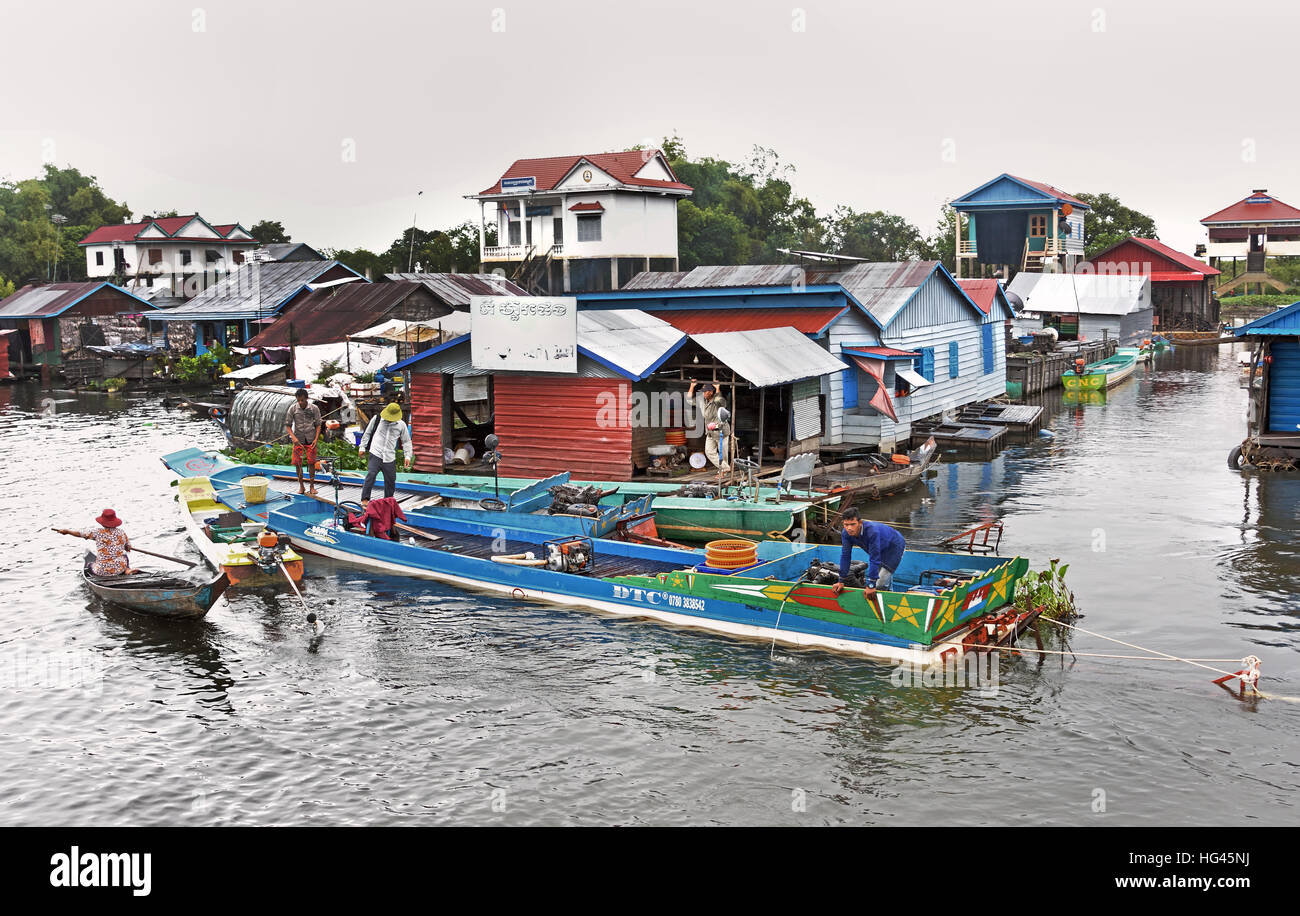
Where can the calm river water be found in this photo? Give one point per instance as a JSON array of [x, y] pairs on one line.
[[423, 704]]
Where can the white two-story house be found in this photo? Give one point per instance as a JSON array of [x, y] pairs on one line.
[[183, 254], [582, 223]]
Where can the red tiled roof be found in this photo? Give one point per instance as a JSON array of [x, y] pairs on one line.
[[982, 292], [128, 232], [1257, 208], [621, 166], [594, 206], [707, 321]]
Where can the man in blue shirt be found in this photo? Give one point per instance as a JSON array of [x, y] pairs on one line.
[[884, 547]]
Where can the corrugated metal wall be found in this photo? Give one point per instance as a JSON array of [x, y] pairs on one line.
[[426, 421], [548, 425]]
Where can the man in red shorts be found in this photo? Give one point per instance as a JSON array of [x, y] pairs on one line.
[[303, 426]]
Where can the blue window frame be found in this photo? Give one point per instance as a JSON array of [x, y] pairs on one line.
[[953, 365], [987, 346], [927, 363]]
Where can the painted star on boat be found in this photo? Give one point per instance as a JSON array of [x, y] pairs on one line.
[[904, 611]]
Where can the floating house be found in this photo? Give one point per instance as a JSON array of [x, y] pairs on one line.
[[912, 342], [632, 372], [582, 222], [1086, 307], [235, 309], [1182, 288], [1252, 230], [180, 253], [55, 319], [1014, 224], [1273, 413]]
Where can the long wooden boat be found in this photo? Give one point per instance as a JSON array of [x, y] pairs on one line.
[[873, 480], [158, 594], [1100, 375], [942, 605], [772, 513], [228, 548]]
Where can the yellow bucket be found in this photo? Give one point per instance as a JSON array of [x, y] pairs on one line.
[[254, 489]]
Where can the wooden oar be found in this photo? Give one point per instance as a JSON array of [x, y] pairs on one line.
[[161, 556]]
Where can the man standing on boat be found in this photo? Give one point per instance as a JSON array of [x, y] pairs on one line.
[[883, 545], [303, 425], [380, 440], [709, 404]]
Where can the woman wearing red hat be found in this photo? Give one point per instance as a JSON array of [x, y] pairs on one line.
[[111, 545]]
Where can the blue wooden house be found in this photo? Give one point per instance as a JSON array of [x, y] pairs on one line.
[[1273, 411], [915, 343], [1012, 224]]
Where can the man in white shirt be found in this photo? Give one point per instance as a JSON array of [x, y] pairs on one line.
[[380, 442]]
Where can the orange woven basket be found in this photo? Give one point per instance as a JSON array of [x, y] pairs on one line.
[[730, 554]]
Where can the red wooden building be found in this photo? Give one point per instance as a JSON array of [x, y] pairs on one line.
[[1182, 288]]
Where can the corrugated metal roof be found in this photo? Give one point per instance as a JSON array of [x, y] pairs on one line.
[[1086, 294], [1259, 207], [884, 288], [456, 289], [255, 289], [51, 299], [1285, 321], [982, 292], [630, 340], [882, 352], [704, 321], [1114, 254], [714, 277], [333, 314], [771, 356], [663, 279]]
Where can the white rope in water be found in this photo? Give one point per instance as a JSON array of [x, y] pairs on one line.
[[1165, 656]]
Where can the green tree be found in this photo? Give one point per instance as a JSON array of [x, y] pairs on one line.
[[454, 250], [942, 245], [1109, 221], [269, 232], [876, 236], [42, 220], [362, 260], [740, 213], [6, 288]]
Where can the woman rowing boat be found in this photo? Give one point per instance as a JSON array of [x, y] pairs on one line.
[[111, 545]]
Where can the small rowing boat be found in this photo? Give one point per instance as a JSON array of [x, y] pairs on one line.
[[1099, 375], [158, 594]]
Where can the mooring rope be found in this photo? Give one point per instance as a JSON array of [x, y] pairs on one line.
[[1165, 656]]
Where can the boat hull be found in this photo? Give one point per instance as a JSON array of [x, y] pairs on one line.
[[178, 601]]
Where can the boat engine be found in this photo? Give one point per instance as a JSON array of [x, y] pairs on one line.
[[270, 552], [571, 555]]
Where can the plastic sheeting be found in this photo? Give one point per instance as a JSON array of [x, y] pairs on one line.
[[353, 358]]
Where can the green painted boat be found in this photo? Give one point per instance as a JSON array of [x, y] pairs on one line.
[[1100, 375]]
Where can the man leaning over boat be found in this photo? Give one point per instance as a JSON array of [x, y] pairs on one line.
[[883, 545]]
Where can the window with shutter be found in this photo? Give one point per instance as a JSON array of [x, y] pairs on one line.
[[927, 363], [987, 346], [953, 366], [589, 227]]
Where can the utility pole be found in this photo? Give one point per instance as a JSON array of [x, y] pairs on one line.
[[411, 255]]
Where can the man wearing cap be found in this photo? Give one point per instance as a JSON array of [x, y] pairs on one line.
[[709, 404], [380, 441], [303, 425]]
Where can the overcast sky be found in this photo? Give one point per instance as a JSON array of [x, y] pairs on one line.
[[244, 110]]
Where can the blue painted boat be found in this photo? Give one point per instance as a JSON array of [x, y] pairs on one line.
[[158, 595], [948, 603]]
